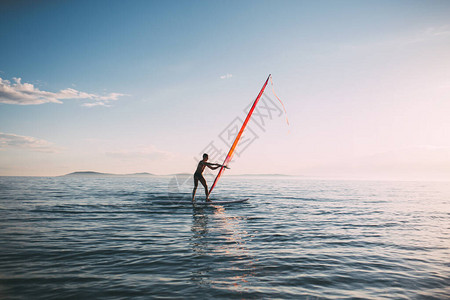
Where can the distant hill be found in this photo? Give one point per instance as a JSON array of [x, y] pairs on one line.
[[181, 174], [99, 174], [140, 174], [145, 174]]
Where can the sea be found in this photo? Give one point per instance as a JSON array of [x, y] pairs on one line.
[[295, 238]]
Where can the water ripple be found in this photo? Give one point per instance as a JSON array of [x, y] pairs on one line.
[[121, 238]]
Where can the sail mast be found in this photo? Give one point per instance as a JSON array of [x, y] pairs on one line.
[[238, 137]]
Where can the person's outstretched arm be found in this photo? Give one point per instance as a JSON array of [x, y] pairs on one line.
[[215, 166]]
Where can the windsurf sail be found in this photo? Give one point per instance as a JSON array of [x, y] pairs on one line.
[[238, 137]]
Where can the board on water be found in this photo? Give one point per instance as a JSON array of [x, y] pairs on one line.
[[221, 202]]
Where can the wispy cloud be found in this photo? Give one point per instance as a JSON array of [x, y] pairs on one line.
[[406, 40], [98, 103], [437, 31], [27, 94], [14, 141], [226, 76]]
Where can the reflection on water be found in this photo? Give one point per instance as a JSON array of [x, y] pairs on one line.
[[220, 238], [199, 230], [200, 271]]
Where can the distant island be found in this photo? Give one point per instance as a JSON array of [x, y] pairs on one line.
[[99, 174], [146, 174]]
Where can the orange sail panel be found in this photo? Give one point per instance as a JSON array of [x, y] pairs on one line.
[[238, 137]]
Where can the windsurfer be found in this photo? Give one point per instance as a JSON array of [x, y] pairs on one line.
[[198, 176]]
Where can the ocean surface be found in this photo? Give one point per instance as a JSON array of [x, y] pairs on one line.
[[140, 238]]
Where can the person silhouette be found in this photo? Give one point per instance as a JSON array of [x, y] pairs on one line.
[[198, 176]]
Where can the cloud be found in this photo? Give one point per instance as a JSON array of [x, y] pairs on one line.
[[27, 94], [14, 141], [437, 31], [226, 76], [406, 40], [92, 104]]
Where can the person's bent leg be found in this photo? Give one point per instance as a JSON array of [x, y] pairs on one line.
[[203, 181]]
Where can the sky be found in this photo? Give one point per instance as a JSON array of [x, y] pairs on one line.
[[148, 86]]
